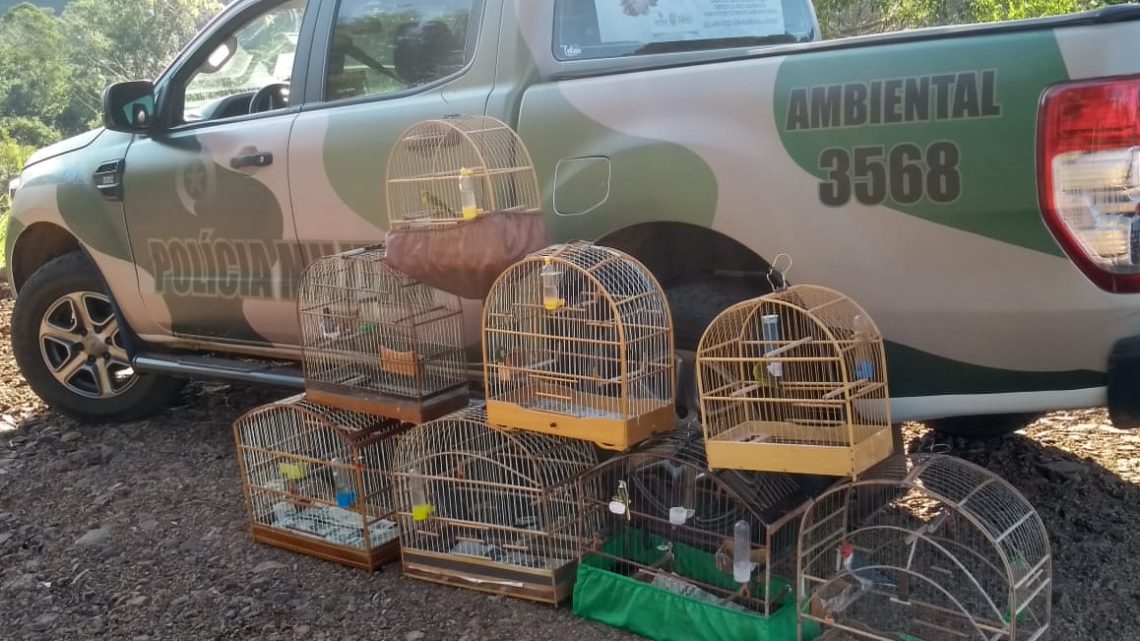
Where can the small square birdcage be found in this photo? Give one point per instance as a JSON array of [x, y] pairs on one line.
[[488, 509], [658, 528], [795, 381], [317, 481], [379, 342], [578, 342], [927, 547]]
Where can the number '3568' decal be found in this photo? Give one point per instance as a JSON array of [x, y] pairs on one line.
[[905, 174]]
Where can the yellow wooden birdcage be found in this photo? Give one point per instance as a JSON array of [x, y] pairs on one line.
[[316, 481], [927, 547], [488, 509], [578, 342], [379, 342], [795, 381]]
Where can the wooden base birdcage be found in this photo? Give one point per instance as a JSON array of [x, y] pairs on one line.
[[578, 342], [489, 510], [795, 381], [660, 543], [925, 547], [316, 481], [379, 342]]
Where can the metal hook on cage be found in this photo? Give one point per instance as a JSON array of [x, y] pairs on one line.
[[778, 278]]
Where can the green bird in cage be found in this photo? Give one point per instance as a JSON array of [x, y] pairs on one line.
[[762, 377], [437, 207]]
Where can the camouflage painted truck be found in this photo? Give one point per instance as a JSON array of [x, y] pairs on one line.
[[974, 187]]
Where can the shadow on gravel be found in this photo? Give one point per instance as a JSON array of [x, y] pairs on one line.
[[1092, 515]]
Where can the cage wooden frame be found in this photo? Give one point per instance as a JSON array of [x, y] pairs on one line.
[[422, 183], [940, 528], [594, 362], [506, 500], [795, 381], [772, 503], [285, 447], [377, 341]]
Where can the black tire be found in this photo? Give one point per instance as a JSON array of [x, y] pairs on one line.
[[986, 426], [68, 299], [694, 305]]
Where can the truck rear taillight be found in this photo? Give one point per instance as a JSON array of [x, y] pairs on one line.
[[1089, 177]]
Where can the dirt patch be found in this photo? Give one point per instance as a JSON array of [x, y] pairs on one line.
[[138, 531]]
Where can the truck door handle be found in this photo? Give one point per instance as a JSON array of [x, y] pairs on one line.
[[260, 159]]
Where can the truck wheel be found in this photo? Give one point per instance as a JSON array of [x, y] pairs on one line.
[[69, 347], [694, 305], [983, 426]]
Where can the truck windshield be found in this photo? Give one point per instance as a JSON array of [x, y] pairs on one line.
[[586, 29]]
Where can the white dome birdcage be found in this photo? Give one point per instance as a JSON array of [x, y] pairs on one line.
[[926, 547], [463, 203], [578, 342], [444, 171]]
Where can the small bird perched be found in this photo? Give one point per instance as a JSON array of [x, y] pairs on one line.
[[867, 577]]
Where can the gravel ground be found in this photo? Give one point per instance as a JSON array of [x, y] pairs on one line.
[[138, 532]]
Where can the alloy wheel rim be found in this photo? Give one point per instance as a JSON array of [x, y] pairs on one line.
[[81, 344]]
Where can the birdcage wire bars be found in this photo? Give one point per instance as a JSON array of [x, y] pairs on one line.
[[578, 342], [947, 551], [658, 515], [488, 509], [795, 381], [316, 481], [424, 187], [379, 342]]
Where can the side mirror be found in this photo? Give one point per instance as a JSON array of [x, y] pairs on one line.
[[129, 106]]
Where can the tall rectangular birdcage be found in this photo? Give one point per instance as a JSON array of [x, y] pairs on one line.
[[378, 341], [317, 481]]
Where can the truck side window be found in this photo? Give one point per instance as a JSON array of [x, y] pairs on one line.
[[257, 54], [587, 29], [379, 49]]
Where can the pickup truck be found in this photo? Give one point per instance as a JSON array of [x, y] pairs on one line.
[[974, 187]]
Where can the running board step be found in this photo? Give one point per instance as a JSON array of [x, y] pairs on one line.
[[219, 368]]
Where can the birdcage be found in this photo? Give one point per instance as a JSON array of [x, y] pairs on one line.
[[463, 203], [488, 509], [379, 342], [578, 342], [795, 381], [675, 552], [316, 481], [926, 547]]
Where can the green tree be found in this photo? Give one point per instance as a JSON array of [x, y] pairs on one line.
[[116, 40], [35, 75], [840, 18], [13, 155]]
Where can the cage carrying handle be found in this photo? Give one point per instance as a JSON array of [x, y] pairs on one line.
[[778, 278]]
